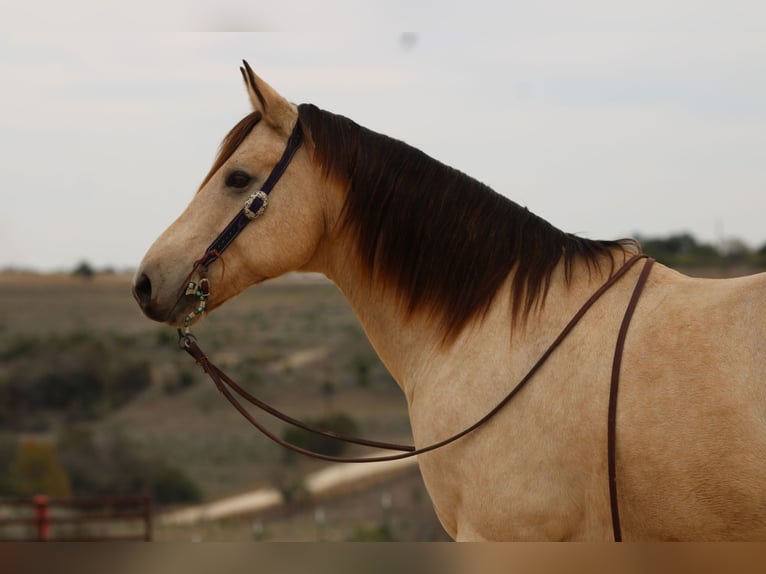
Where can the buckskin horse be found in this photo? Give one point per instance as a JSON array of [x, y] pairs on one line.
[[461, 292]]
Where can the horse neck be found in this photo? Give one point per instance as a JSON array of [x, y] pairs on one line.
[[400, 341], [410, 345]]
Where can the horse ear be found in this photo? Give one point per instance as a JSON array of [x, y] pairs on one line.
[[253, 90], [263, 97]]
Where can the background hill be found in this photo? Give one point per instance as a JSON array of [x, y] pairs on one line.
[[123, 411]]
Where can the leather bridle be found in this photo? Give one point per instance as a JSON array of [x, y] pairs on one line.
[[253, 208], [196, 283]]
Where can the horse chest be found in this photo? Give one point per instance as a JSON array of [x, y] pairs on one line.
[[513, 480]]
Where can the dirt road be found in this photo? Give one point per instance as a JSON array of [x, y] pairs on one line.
[[331, 480]]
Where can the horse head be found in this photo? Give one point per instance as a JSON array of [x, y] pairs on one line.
[[285, 238]]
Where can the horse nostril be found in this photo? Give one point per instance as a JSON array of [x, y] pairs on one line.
[[142, 290]]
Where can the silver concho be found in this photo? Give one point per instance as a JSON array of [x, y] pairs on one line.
[[264, 202]]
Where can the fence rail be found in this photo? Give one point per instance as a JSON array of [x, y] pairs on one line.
[[77, 519]]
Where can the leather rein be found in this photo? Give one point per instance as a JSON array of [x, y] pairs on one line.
[[254, 207]]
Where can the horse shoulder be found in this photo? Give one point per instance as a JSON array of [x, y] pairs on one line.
[[692, 403]]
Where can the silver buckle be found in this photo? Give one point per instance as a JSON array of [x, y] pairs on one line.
[[264, 202]]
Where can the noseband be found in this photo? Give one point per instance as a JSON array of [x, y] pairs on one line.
[[254, 207]]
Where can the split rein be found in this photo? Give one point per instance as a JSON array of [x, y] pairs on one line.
[[226, 385]]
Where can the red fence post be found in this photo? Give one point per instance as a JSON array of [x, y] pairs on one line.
[[42, 517], [147, 506]]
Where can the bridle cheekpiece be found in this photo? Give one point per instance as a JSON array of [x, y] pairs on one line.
[[197, 284]]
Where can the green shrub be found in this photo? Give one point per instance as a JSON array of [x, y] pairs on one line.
[[115, 466], [75, 384], [379, 533], [78, 391], [183, 380], [20, 346], [84, 270], [9, 447], [166, 337], [361, 366], [171, 486], [128, 382], [36, 470], [337, 422], [88, 470]]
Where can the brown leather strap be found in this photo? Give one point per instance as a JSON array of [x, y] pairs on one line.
[[257, 201], [221, 380], [252, 209], [612, 417]]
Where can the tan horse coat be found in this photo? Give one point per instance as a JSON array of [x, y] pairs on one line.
[[691, 417]]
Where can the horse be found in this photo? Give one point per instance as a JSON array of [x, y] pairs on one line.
[[460, 290]]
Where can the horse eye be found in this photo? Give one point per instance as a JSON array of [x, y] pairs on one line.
[[238, 180]]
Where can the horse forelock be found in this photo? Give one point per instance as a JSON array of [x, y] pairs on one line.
[[443, 241]]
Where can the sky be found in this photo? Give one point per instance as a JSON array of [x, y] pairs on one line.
[[606, 118]]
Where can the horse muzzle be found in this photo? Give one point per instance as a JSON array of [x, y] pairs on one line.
[[144, 295], [164, 307]]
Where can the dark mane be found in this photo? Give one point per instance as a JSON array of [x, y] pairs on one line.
[[444, 241], [232, 141]]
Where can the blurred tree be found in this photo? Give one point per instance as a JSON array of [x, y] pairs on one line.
[[171, 486], [735, 252], [361, 365], [380, 533], [9, 446], [82, 458], [328, 392], [84, 270], [128, 382], [760, 257], [37, 471], [111, 465], [683, 250]]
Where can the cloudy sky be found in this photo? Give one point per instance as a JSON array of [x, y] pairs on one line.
[[606, 119]]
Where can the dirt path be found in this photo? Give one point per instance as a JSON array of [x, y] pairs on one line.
[[331, 480], [300, 359]]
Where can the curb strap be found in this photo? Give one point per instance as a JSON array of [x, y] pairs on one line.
[[612, 417]]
